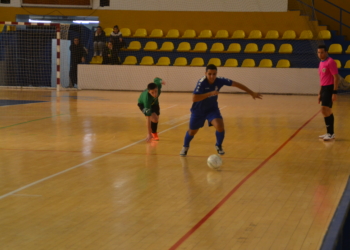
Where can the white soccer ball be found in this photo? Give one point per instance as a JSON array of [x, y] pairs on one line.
[[214, 162]]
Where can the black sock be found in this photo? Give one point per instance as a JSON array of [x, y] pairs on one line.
[[154, 127], [329, 120]]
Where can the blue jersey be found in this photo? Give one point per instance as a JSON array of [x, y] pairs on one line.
[[211, 103]]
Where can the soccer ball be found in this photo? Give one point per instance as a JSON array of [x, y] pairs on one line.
[[214, 162]]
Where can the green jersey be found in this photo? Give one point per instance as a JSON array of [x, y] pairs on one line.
[[147, 100]]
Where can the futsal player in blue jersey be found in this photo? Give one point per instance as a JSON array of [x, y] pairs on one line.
[[205, 107]]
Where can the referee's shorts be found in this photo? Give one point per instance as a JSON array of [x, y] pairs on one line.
[[326, 95]]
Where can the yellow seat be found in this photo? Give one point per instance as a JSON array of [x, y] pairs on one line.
[[134, 45], [215, 61], [197, 61], [306, 35], [147, 60], [167, 46], [126, 32], [108, 31], [217, 47], [265, 63], [163, 61], [347, 78], [338, 63], [130, 60], [180, 61], [221, 34], [156, 33], [335, 48], [255, 34], [347, 64], [96, 60], [289, 34], [234, 48], [238, 34], [286, 48], [272, 34], [283, 63], [248, 63], [173, 33], [268, 48], [150, 46], [140, 33], [205, 34], [2, 27], [324, 34], [347, 50], [183, 47], [189, 34], [251, 48], [231, 63], [200, 47]]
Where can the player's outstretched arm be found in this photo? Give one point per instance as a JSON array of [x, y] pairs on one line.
[[246, 89], [149, 130]]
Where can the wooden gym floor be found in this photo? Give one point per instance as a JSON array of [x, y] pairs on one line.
[[75, 173]]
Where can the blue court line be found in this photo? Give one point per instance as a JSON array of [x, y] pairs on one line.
[[16, 102]]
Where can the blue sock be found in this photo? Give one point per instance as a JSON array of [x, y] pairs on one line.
[[219, 137], [187, 140]]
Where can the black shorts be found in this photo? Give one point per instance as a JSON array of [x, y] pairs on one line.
[[326, 95], [154, 108]]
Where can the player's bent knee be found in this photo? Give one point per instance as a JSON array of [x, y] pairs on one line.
[[192, 132]]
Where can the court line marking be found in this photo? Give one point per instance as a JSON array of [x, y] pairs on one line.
[[30, 121], [81, 164], [223, 201]]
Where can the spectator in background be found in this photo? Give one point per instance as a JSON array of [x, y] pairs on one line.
[[77, 55], [110, 54], [116, 38], [99, 41]]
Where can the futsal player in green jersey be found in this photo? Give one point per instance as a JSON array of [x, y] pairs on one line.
[[149, 105]]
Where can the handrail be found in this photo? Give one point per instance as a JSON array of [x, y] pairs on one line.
[[341, 24]]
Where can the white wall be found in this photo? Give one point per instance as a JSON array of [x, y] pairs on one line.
[[263, 80]]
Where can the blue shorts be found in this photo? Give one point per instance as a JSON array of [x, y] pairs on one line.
[[197, 120]]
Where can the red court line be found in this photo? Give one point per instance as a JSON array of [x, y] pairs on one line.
[[222, 202]]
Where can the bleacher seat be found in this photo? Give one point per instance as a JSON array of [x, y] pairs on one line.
[[140, 33], [108, 31], [272, 34], [180, 61], [163, 61], [283, 63], [197, 61], [347, 51], [126, 32], [200, 47], [238, 34], [347, 78], [248, 63], [96, 60], [268, 48], [338, 63], [289, 34], [167, 46], [324, 34], [215, 61], [130, 60], [184, 47], [347, 64], [255, 34], [217, 47], [156, 33], [306, 35], [205, 34], [150, 46], [221, 34], [335, 48], [231, 63], [2, 27], [173, 33], [286, 48], [234, 48], [265, 63], [134, 45], [251, 48], [147, 60], [189, 34]]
